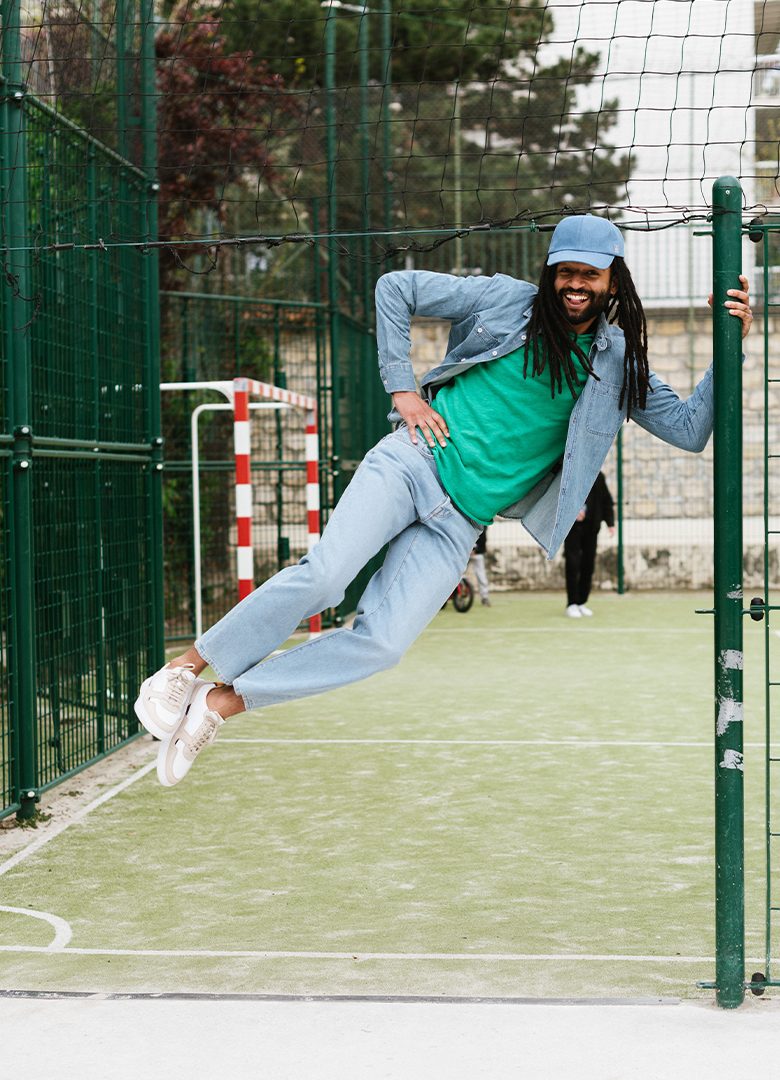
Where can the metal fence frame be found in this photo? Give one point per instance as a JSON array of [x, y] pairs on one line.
[[212, 336], [80, 446]]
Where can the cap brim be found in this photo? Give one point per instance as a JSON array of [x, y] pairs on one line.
[[590, 258]]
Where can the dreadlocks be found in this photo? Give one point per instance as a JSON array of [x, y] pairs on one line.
[[551, 341]]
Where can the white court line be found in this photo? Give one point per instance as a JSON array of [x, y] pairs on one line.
[[566, 629], [37, 844], [62, 930], [218, 954], [576, 744]]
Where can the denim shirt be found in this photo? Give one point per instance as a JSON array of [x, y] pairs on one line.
[[489, 318]]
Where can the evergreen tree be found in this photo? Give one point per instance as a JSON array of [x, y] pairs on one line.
[[519, 146]]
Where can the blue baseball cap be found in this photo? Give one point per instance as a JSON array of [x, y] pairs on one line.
[[586, 238]]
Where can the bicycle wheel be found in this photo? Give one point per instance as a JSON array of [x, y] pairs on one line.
[[463, 597]]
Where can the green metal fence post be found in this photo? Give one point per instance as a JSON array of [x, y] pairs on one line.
[[93, 306], [728, 606], [280, 379], [769, 830], [365, 164], [122, 100], [387, 152], [333, 263], [152, 315], [457, 177], [323, 402], [18, 312]]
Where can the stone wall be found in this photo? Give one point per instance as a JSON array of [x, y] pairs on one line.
[[667, 493]]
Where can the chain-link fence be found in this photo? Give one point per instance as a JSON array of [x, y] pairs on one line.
[[78, 599], [208, 337]]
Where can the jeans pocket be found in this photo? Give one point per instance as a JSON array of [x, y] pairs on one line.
[[444, 508], [421, 446]]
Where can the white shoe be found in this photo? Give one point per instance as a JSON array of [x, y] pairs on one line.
[[197, 730], [164, 697], [573, 611], [585, 610]]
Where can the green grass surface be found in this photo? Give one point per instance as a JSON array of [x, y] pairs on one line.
[[519, 808]]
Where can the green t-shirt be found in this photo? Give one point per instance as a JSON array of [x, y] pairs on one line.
[[506, 432]]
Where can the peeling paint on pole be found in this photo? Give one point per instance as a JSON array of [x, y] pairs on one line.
[[730, 712], [732, 659], [732, 759]]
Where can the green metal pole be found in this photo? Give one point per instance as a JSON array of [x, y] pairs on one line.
[[457, 179], [323, 404], [387, 152], [152, 282], [120, 22], [768, 628], [94, 274], [16, 315], [369, 347], [237, 339], [333, 267], [365, 163], [621, 578], [728, 606], [280, 379]]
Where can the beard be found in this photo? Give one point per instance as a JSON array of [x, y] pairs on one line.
[[596, 303]]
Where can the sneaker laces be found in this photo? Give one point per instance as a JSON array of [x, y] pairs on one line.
[[178, 684], [207, 732]]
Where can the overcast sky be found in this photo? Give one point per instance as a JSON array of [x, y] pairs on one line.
[[682, 73]]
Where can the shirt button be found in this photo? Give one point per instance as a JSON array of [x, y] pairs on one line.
[[495, 352], [479, 329]]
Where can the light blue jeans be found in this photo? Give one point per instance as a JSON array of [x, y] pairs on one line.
[[394, 498]]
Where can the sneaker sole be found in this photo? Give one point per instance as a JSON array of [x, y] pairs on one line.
[[164, 750], [148, 721], [162, 772], [167, 751]]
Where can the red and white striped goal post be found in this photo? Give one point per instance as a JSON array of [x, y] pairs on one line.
[[243, 389]]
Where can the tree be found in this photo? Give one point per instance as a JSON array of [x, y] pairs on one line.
[[482, 128], [439, 40], [519, 144], [224, 115], [221, 122]]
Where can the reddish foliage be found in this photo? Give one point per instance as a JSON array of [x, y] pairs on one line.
[[221, 120]]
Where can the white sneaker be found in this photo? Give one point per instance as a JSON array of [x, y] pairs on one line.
[[585, 610], [573, 611], [197, 730], [164, 697]]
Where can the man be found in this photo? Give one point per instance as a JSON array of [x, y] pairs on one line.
[[528, 399], [579, 547]]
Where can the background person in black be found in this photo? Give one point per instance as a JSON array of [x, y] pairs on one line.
[[480, 571], [579, 547]]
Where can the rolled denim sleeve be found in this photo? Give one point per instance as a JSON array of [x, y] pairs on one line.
[[404, 293], [685, 423]]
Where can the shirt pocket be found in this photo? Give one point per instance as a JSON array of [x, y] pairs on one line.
[[604, 416], [472, 338]]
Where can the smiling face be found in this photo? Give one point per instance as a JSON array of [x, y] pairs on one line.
[[583, 292]]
